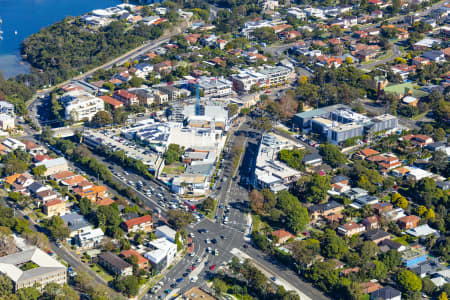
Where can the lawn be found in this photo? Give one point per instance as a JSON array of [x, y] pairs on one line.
[[103, 274], [401, 240], [213, 211], [176, 168]]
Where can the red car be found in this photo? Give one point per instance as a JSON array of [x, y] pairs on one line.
[[267, 92], [212, 267], [192, 268]]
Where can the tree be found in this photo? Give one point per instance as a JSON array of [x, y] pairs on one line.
[[233, 109], [430, 214], [443, 296], [129, 285], [136, 81], [332, 155], [324, 275], [37, 239], [439, 134], [332, 245], [54, 291], [39, 171], [409, 281], [256, 201], [29, 293], [428, 287], [6, 285], [208, 204], [421, 210], [439, 160], [288, 106], [7, 242], [173, 154], [179, 219], [219, 286], [58, 230], [102, 118], [85, 206], [293, 158], [316, 188]]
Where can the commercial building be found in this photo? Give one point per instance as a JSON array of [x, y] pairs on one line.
[[6, 122], [115, 264], [6, 108], [268, 76], [269, 172], [54, 166], [47, 269], [246, 79], [166, 232], [275, 76], [165, 251], [338, 123], [213, 86], [79, 105]]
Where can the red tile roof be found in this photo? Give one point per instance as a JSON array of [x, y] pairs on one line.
[[139, 220]]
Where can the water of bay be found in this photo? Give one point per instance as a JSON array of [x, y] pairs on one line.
[[22, 18]]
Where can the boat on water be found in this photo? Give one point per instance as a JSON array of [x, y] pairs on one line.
[[15, 32]]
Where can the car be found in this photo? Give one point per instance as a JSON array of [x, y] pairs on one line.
[[192, 268], [173, 285], [207, 241], [216, 252], [222, 237], [268, 92], [208, 249], [213, 241], [212, 267], [167, 291], [58, 244], [180, 279], [273, 278], [185, 274], [245, 246]]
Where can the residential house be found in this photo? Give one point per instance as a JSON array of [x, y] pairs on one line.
[[164, 67], [90, 238], [394, 214], [418, 139], [55, 207], [408, 222], [351, 228], [434, 55], [365, 153], [46, 196], [387, 244], [371, 222], [376, 235], [60, 176], [313, 159], [381, 207], [386, 293], [76, 223], [321, 210], [422, 230], [370, 287], [426, 44], [115, 264], [281, 236], [142, 262], [144, 223]]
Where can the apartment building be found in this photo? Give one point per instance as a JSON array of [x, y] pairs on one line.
[[115, 264], [276, 76], [47, 270], [144, 223], [246, 79], [213, 87], [79, 105], [126, 97]]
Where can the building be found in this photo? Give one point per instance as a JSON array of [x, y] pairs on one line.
[[126, 97], [165, 251], [282, 236], [145, 96], [142, 262], [14, 144], [426, 44], [6, 122], [275, 76], [6, 108], [76, 223], [386, 293], [90, 238], [46, 269], [144, 223], [166, 232], [54, 165], [376, 235], [197, 293], [408, 222], [422, 230], [213, 86], [115, 264], [414, 255], [245, 80], [371, 222], [173, 92], [79, 105], [322, 210], [55, 207], [115, 104], [312, 159], [351, 228]]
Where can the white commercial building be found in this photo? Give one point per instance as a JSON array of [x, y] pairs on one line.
[[214, 87], [269, 172], [164, 253], [6, 122], [166, 232], [246, 79], [80, 105]]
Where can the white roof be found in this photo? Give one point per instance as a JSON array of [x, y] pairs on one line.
[[166, 230], [422, 230], [155, 256], [419, 173], [409, 99], [53, 162], [9, 264], [91, 234], [163, 244]]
